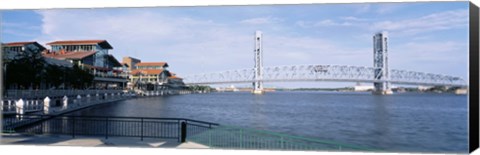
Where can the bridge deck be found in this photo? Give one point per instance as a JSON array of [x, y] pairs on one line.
[[335, 73]]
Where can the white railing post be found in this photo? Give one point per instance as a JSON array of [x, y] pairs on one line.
[[88, 98], [65, 102], [97, 97], [79, 100], [46, 105], [19, 110], [27, 105], [10, 105], [36, 105]]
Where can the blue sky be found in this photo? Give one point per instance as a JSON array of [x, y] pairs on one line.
[[428, 37]]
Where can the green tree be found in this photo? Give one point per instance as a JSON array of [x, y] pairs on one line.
[[30, 70]]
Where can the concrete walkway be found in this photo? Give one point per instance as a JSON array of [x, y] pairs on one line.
[[55, 140]]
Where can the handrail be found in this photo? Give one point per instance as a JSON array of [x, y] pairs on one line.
[[125, 117], [142, 127], [226, 136], [202, 132], [297, 137]]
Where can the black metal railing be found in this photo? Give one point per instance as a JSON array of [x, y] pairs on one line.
[[231, 137], [206, 133], [141, 127]]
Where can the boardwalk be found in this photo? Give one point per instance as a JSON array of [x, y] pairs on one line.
[[16, 139]]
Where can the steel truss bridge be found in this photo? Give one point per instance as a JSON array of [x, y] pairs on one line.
[[315, 72]]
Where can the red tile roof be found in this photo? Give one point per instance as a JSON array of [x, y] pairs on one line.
[[71, 55], [147, 71], [102, 43], [14, 44], [75, 42], [152, 64], [174, 77], [19, 43]]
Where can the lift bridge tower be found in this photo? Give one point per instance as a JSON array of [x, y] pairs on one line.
[[258, 68], [380, 62]]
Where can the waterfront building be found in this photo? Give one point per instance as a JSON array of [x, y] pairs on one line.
[[175, 82], [130, 62], [19, 51], [424, 88], [149, 75], [363, 88], [153, 76], [94, 56], [14, 49]]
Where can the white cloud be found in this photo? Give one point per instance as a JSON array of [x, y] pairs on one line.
[[355, 19], [433, 22], [282, 50], [437, 21], [322, 23], [331, 23], [191, 45], [427, 56], [389, 8], [261, 20], [145, 35], [362, 8]]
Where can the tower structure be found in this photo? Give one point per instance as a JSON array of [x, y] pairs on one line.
[[380, 62], [258, 68]]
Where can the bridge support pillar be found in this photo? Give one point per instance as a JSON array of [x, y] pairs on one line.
[[258, 68], [380, 62]]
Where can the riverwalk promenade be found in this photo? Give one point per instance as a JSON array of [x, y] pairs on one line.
[[14, 110], [59, 105], [57, 129], [61, 140], [64, 101]]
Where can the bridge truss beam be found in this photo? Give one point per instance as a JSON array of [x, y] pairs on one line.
[[338, 73]]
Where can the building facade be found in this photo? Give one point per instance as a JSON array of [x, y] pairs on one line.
[[130, 62], [15, 49], [148, 76], [94, 56]]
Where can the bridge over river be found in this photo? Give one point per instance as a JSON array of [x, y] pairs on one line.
[[379, 74]]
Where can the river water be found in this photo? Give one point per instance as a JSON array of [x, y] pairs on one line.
[[403, 122]]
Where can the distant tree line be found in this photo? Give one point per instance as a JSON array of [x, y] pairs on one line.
[[29, 70], [200, 88]]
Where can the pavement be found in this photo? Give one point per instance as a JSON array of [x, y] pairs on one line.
[[60, 140]]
